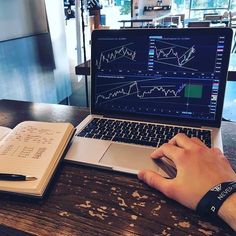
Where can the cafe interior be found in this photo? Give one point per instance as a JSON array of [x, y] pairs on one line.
[[50, 49], [162, 14], [45, 48]]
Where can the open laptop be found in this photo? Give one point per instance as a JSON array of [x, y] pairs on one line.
[[146, 86]]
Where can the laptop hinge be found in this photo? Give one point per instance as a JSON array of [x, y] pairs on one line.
[[186, 123]]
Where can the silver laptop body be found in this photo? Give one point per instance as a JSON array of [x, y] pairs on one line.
[[167, 77]]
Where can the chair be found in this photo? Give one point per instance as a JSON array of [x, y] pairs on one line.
[[182, 18], [197, 24], [205, 15], [213, 18], [171, 21], [232, 19]]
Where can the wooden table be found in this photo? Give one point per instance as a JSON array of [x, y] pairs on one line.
[[84, 69], [88, 201]]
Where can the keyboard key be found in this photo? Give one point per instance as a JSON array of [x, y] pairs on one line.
[[139, 133], [107, 137]]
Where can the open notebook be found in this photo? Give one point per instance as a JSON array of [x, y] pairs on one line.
[[32, 149]]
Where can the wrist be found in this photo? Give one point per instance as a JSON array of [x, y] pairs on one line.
[[215, 197], [227, 211]]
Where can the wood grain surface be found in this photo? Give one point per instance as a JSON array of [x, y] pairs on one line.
[[88, 201]]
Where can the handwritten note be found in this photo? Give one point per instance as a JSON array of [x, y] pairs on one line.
[[35, 149], [29, 141]]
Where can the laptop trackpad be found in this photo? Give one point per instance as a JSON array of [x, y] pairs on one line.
[[131, 159]]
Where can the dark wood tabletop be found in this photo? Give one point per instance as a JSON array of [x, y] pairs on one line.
[[136, 20], [83, 69], [88, 201]]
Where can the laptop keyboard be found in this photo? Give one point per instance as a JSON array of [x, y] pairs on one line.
[[139, 133]]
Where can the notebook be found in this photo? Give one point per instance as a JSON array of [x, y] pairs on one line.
[[146, 86]]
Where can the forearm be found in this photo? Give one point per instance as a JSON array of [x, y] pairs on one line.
[[227, 211]]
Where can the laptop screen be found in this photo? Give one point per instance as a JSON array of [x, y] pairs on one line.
[[161, 74]]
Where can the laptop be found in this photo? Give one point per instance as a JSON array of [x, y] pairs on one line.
[[147, 85]]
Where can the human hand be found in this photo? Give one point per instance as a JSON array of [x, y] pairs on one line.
[[199, 168]]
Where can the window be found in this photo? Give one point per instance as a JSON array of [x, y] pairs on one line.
[[115, 10], [212, 4], [180, 6]]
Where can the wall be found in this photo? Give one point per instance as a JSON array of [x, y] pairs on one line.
[[26, 71], [56, 22], [33, 64], [25, 18]]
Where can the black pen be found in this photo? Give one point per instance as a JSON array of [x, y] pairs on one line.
[[16, 177]]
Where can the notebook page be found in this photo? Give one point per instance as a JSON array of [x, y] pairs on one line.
[[4, 131], [31, 149]]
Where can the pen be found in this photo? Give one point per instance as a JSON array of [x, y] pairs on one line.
[[16, 177]]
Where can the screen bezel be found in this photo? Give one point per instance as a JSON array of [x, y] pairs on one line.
[[227, 32]]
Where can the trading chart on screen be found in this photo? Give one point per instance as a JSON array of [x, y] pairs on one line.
[[159, 75]]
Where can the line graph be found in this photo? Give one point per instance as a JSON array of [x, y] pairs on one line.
[[172, 54], [114, 54], [181, 60], [140, 92]]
